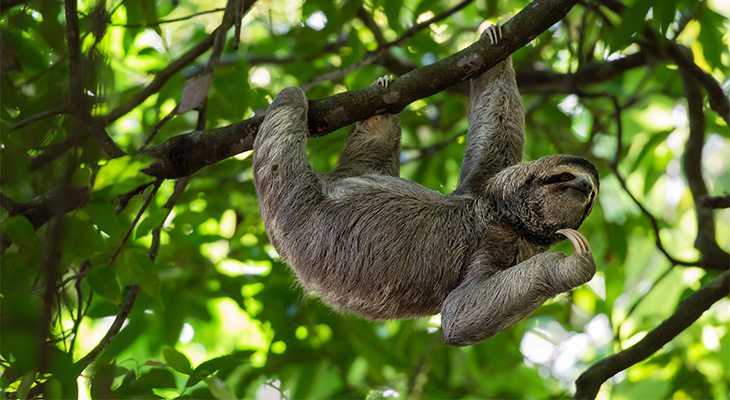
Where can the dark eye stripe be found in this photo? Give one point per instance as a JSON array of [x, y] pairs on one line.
[[564, 177]]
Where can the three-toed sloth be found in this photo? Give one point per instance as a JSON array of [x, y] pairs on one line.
[[371, 243]]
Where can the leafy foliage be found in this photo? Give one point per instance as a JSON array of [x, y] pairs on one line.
[[219, 316]]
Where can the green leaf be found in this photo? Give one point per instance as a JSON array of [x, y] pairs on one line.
[[711, 34], [664, 12], [121, 175], [218, 388], [392, 11], [152, 221], [20, 231], [177, 360], [104, 282], [103, 216], [142, 268], [211, 366], [157, 378], [632, 20]]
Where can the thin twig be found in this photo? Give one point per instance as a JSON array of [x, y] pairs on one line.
[[180, 186], [614, 167], [134, 222], [114, 329], [421, 25], [168, 72], [382, 48], [642, 296], [156, 128], [60, 110], [168, 21], [654, 224]]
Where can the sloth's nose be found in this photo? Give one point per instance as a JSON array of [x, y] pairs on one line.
[[582, 183]]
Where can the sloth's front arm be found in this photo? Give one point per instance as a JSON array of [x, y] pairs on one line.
[[486, 303]]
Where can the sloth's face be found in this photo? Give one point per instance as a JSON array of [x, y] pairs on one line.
[[551, 193]]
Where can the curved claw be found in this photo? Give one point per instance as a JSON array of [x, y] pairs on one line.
[[494, 32], [580, 243], [383, 81]]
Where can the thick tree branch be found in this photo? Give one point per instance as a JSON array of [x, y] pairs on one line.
[[42, 208], [184, 154], [688, 312]]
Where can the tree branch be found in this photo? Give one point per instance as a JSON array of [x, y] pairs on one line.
[[716, 201], [185, 154], [689, 311], [384, 47], [706, 241], [42, 115], [167, 21]]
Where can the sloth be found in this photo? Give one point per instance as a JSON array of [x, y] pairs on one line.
[[371, 243]]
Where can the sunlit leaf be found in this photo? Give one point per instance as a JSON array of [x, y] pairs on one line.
[[20, 231], [104, 282], [121, 175], [177, 360], [218, 388]]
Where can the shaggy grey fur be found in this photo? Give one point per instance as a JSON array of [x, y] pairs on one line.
[[371, 243]]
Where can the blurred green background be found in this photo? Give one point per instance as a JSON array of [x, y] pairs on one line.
[[218, 316]]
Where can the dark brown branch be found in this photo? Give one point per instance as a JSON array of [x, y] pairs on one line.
[[76, 85], [536, 81], [184, 154], [42, 208], [706, 242], [653, 222], [716, 201], [689, 311]]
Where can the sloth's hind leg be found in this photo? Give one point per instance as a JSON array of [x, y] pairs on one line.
[[374, 145]]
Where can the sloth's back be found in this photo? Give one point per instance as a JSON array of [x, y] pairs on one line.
[[381, 247]]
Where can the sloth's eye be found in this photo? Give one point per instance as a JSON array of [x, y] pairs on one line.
[[564, 177]]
